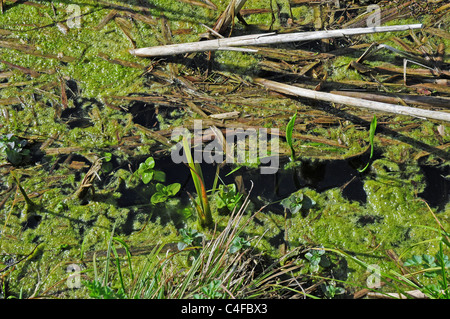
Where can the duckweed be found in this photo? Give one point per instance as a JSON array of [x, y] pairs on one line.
[[387, 220]]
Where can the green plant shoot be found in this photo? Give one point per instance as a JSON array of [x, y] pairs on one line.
[[227, 198], [296, 202], [163, 193], [203, 209], [373, 127], [289, 130], [147, 172], [13, 148]]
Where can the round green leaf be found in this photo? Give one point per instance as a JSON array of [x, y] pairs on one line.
[[147, 177], [150, 162], [158, 198], [173, 189]]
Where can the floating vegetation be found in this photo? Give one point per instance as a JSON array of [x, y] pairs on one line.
[[92, 204]]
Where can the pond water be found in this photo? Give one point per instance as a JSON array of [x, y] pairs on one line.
[[318, 175], [365, 213]]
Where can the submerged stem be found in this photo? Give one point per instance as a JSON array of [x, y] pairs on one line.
[[30, 205]]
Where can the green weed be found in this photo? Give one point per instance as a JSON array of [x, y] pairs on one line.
[[13, 149], [373, 128], [163, 193], [224, 267], [317, 258], [202, 206], [331, 290], [211, 291], [413, 274], [147, 172], [289, 131], [296, 202], [189, 237], [227, 198]]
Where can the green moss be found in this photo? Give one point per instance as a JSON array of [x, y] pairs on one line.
[[342, 71], [387, 221], [391, 218], [238, 62]]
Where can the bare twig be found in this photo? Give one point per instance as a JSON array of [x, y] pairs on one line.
[[340, 99], [262, 39]]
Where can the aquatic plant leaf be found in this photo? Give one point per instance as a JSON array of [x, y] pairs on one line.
[[147, 173], [204, 212], [159, 176], [429, 260], [13, 148], [147, 177], [150, 162], [373, 128], [289, 130], [189, 236], [158, 198], [413, 261], [160, 187], [173, 189], [13, 156], [164, 192], [107, 156], [237, 244], [227, 197], [297, 201]]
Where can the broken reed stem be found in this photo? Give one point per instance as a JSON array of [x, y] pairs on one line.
[[262, 39], [347, 100], [226, 18]]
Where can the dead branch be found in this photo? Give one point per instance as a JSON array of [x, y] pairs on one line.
[[347, 100], [235, 43]]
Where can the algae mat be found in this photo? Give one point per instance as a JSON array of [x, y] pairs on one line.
[[71, 90]]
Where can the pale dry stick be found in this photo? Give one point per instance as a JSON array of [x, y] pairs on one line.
[[217, 34], [347, 100], [262, 39]]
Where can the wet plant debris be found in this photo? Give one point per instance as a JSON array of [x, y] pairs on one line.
[[91, 195]]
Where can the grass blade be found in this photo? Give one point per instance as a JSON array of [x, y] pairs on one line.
[[289, 130], [373, 128], [205, 217]]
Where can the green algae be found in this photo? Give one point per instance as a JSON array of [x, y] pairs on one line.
[[390, 220], [65, 225], [342, 71], [387, 221], [96, 76]]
